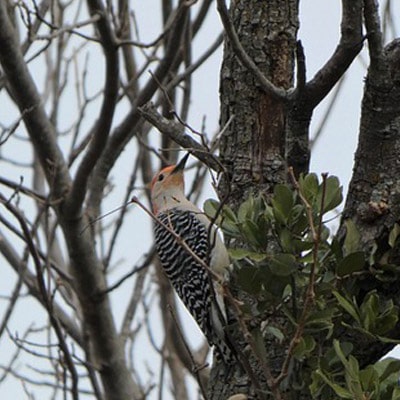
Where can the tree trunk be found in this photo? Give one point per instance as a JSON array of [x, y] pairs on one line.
[[252, 146], [254, 124], [373, 201], [264, 134]]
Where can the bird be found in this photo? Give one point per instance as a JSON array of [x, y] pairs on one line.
[[177, 217]]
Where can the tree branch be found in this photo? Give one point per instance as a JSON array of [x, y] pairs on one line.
[[174, 130], [349, 46], [102, 126], [123, 133], [374, 31], [8, 252], [46, 300], [276, 92], [29, 102]]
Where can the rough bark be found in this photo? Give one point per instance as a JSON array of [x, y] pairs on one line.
[[266, 131], [373, 201], [252, 146]]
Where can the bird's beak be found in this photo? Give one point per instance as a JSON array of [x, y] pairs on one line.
[[181, 165]]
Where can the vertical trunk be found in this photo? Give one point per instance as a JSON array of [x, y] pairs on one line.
[[252, 146], [254, 123], [374, 191]]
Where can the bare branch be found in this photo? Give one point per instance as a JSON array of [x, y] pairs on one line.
[[269, 88], [175, 131], [30, 104], [374, 31], [125, 130], [349, 46], [45, 298], [29, 279], [102, 126]]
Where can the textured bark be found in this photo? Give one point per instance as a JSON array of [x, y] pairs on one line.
[[265, 132], [252, 147], [373, 201]]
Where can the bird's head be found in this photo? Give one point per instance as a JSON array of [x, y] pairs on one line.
[[167, 186]]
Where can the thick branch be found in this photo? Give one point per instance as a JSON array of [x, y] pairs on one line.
[[102, 126], [349, 46], [125, 130], [269, 88], [174, 130], [307, 96], [374, 31], [374, 191], [8, 252], [29, 102]]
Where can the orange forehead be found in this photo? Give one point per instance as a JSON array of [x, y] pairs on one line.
[[166, 170]]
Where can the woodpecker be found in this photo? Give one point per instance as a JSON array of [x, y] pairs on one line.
[[190, 278]]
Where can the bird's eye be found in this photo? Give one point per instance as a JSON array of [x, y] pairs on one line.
[[160, 177]]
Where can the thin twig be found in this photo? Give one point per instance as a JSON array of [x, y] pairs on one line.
[[249, 339], [175, 131], [196, 369], [42, 288], [309, 295]]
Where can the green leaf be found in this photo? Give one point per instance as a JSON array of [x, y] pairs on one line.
[[210, 207], [226, 218], [286, 240], [333, 194], [369, 378], [387, 367], [277, 333], [352, 239], [393, 235], [298, 221], [245, 210], [369, 311], [347, 306], [304, 347], [252, 234], [336, 249], [282, 202], [309, 187], [249, 280], [283, 264], [354, 262], [322, 320], [240, 254], [341, 392], [339, 353]]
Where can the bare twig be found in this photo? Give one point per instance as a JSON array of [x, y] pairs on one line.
[[196, 369], [11, 305], [349, 46], [27, 97], [125, 130], [46, 299], [174, 130], [102, 126], [309, 295]]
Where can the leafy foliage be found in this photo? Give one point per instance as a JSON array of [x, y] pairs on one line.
[[286, 259]]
